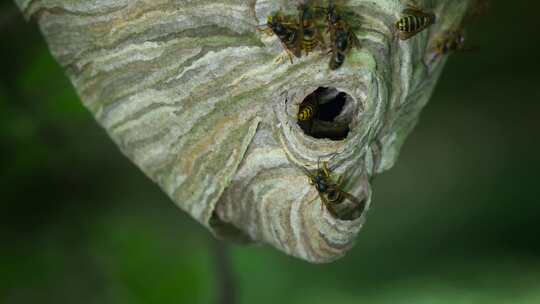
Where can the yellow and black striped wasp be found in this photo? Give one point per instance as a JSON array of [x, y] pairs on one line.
[[413, 21], [288, 32], [310, 35], [342, 37], [330, 191], [308, 112]]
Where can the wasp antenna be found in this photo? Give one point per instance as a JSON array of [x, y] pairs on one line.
[[307, 172]]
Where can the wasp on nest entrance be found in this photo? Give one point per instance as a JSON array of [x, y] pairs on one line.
[[326, 113]]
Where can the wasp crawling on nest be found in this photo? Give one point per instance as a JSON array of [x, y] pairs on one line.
[[303, 34], [331, 193], [413, 21], [450, 41], [453, 40], [287, 30], [342, 37], [307, 113], [296, 34], [310, 35]]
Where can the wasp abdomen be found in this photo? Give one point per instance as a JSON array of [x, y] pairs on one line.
[[306, 113], [337, 60], [413, 22]]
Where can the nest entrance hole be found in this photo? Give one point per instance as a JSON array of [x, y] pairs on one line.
[[329, 115]]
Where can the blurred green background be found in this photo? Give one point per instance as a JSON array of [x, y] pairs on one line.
[[455, 221]]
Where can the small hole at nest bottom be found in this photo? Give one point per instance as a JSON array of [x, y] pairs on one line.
[[325, 113]]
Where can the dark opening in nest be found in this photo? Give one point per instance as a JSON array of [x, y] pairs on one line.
[[321, 114]]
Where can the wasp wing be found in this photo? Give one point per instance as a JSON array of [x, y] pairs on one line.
[[407, 35], [354, 39]]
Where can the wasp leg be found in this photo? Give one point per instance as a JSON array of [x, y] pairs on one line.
[[340, 180], [281, 57], [355, 41], [325, 169], [324, 201], [290, 56], [329, 207], [313, 199]]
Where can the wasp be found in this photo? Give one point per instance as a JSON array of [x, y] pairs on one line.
[[414, 21], [310, 35], [454, 40], [287, 31], [450, 41], [330, 191], [342, 37], [307, 113], [308, 110]]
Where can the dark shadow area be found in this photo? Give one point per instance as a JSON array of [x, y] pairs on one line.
[[332, 108]]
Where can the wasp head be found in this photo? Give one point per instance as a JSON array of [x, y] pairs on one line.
[[332, 16], [274, 22], [306, 15], [320, 184], [400, 25]]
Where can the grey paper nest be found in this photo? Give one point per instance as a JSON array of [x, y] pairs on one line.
[[190, 92]]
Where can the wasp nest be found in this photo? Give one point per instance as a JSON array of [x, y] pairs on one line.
[[191, 93]]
